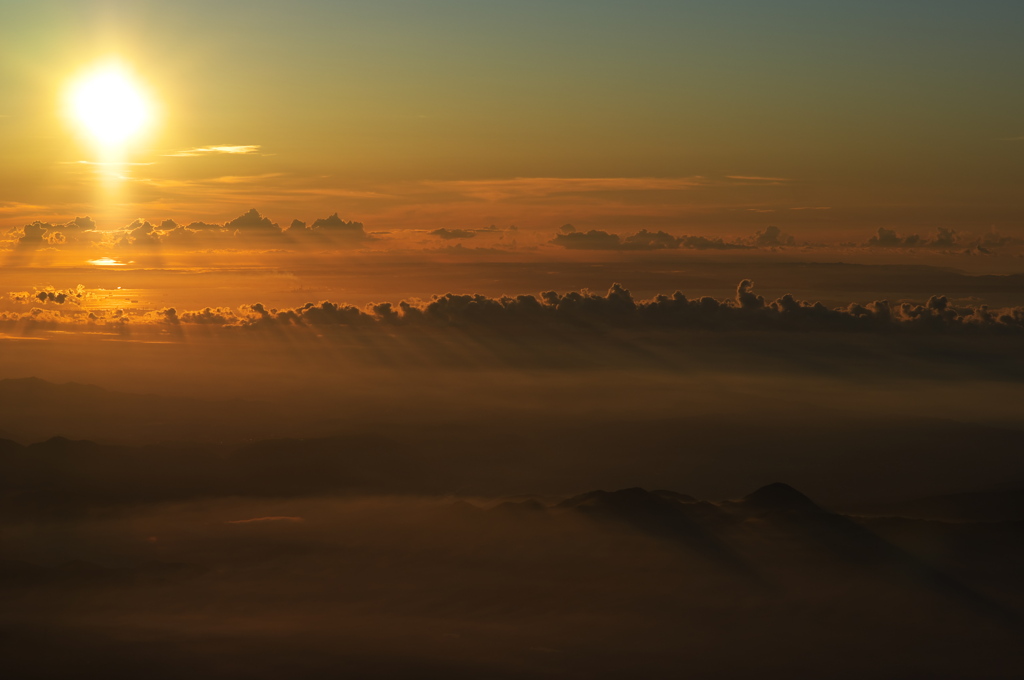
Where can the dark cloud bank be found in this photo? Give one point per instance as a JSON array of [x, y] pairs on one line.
[[929, 339], [618, 308]]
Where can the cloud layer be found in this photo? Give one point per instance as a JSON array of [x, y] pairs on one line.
[[583, 311], [251, 229], [254, 230]]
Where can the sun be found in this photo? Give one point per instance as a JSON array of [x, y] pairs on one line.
[[109, 106]]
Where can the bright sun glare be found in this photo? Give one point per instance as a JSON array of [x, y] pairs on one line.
[[109, 106]]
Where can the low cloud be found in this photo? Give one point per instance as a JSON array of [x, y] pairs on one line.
[[771, 237], [330, 230], [71, 295], [571, 239], [32, 234], [647, 240], [582, 311], [43, 234], [590, 240], [251, 229], [943, 239], [747, 311], [704, 243], [251, 221]]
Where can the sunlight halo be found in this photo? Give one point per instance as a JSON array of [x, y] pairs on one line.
[[109, 106]]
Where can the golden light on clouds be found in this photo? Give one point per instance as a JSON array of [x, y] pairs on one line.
[[109, 106], [106, 262]]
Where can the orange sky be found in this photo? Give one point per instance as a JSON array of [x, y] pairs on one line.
[[695, 119]]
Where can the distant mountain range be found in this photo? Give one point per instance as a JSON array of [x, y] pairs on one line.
[[671, 580]]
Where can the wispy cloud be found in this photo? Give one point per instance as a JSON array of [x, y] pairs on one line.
[[500, 189], [226, 179], [753, 178], [103, 163], [15, 207], [240, 149], [343, 193], [810, 207], [245, 179], [6, 336]]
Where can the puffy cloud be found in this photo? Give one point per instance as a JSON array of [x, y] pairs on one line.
[[50, 294], [32, 234], [591, 240], [181, 237], [618, 308], [39, 233], [167, 315], [331, 230], [37, 315], [252, 221], [449, 234], [885, 238], [581, 311], [745, 298], [943, 238], [993, 239], [704, 243], [334, 226], [772, 236], [309, 314], [646, 240], [571, 239], [249, 228], [81, 223], [140, 233], [210, 315], [335, 223], [203, 226]]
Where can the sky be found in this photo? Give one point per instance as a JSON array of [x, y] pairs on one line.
[[827, 119]]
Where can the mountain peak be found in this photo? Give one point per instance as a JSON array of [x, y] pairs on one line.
[[780, 496]]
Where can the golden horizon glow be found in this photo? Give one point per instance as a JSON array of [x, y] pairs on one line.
[[109, 106]]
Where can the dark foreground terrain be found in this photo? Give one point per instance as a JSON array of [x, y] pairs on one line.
[[630, 583]]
